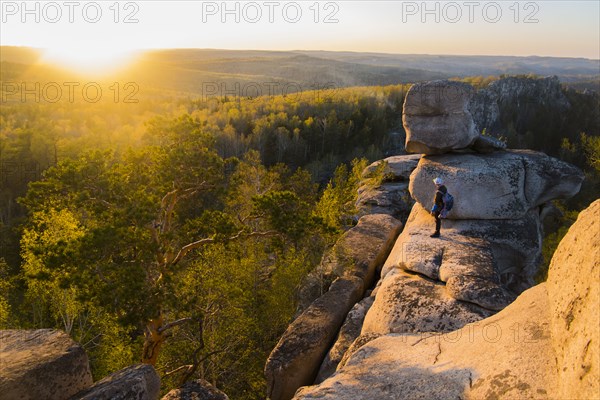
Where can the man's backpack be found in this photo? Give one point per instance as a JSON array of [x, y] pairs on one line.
[[448, 200]]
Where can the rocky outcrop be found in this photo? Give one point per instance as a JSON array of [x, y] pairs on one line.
[[196, 390], [391, 195], [488, 254], [500, 185], [136, 382], [441, 116], [505, 356], [544, 345], [390, 198], [515, 99], [574, 289], [354, 262], [296, 359], [500, 254], [359, 251], [48, 364], [406, 303], [397, 168], [41, 364], [437, 119]]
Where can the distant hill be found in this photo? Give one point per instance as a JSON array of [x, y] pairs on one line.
[[21, 55], [197, 71], [471, 65]]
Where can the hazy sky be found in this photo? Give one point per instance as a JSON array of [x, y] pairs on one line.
[[544, 28]]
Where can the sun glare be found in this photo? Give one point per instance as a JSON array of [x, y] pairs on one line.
[[87, 59]]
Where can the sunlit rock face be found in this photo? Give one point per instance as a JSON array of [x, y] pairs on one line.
[[390, 196], [134, 382], [500, 185], [41, 364], [541, 346], [574, 292]]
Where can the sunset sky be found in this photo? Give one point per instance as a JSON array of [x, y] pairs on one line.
[[100, 31]]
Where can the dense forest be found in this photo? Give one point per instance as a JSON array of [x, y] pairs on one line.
[[177, 230]]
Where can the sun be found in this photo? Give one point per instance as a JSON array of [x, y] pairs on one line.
[[97, 59]]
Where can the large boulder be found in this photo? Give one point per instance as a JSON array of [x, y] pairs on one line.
[[390, 198], [491, 257], [41, 364], [196, 390], [397, 168], [500, 185], [437, 119], [507, 356], [574, 289], [295, 360], [139, 382], [360, 252]]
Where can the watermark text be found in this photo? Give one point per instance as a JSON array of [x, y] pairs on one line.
[[53, 92], [53, 12]]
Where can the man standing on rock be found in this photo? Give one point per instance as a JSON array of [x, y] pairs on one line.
[[438, 205]]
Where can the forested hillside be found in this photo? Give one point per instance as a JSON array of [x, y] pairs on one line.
[[197, 218]]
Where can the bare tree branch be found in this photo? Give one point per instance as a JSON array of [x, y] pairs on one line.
[[199, 243], [176, 370], [174, 324]]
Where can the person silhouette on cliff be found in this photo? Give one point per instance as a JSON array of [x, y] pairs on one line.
[[438, 205]]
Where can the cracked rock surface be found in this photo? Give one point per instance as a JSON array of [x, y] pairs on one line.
[[501, 256], [539, 347], [41, 364], [499, 185], [454, 365]]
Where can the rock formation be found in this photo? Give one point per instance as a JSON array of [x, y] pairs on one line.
[[437, 118], [574, 294], [353, 263], [543, 346], [46, 364], [135, 382], [500, 185], [512, 99], [349, 332], [391, 196], [431, 290], [358, 252], [296, 359], [490, 247], [41, 364], [504, 253]]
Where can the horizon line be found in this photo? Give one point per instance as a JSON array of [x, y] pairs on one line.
[[146, 49]]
